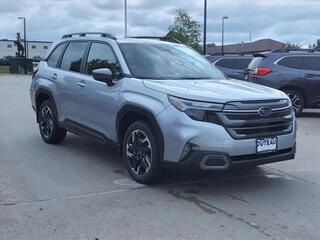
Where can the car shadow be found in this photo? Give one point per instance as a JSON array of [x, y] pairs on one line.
[[105, 157], [310, 114]]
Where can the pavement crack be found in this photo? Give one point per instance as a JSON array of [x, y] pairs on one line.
[[237, 198], [211, 209], [293, 176], [63, 197]]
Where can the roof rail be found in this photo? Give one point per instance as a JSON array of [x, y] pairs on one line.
[[83, 34], [284, 50], [232, 54], [164, 38]]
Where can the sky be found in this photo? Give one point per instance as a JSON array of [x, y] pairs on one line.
[[288, 21]]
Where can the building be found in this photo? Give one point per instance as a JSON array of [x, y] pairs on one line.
[[35, 48], [262, 45]]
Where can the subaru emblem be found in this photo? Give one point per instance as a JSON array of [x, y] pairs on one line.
[[264, 111]]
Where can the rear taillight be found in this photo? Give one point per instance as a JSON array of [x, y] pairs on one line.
[[261, 71]]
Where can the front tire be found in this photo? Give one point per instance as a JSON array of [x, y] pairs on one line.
[[49, 129], [297, 101], [141, 153]]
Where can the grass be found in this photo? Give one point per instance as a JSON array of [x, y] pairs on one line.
[[4, 69]]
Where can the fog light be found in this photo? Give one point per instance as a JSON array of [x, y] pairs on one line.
[[187, 148]]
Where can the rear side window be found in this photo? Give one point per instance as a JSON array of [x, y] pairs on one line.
[[255, 62], [241, 63], [73, 56], [102, 56], [55, 55], [225, 63], [291, 62], [311, 63]]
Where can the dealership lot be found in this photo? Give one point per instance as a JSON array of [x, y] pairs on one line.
[[81, 190]]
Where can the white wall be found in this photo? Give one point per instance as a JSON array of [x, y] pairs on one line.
[[34, 48]]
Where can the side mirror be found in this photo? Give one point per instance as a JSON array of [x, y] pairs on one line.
[[103, 75]]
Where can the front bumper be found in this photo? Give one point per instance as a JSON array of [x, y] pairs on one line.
[[207, 138], [202, 160]]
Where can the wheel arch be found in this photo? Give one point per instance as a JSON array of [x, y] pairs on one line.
[[295, 88], [42, 95], [131, 113]]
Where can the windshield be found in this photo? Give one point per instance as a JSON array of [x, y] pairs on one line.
[[164, 61]]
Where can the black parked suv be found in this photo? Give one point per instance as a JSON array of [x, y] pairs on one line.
[[233, 66], [296, 72]]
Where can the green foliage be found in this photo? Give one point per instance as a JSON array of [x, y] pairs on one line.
[[185, 29], [317, 45], [293, 45], [211, 45]]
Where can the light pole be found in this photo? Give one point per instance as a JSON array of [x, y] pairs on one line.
[[222, 37], [205, 29], [125, 18], [25, 44]]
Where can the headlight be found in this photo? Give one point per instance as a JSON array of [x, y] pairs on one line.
[[194, 109]]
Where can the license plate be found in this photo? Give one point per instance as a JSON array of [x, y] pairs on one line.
[[266, 145]]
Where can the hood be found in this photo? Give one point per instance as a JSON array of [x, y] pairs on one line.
[[215, 90]]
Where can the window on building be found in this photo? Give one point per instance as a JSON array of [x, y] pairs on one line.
[[45, 47], [33, 46], [9, 45], [73, 55]]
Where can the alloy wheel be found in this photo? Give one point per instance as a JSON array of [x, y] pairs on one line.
[[46, 121], [296, 101], [139, 152]]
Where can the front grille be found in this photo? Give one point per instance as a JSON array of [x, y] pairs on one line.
[[246, 122]]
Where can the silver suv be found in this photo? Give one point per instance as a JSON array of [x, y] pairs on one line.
[[161, 104]]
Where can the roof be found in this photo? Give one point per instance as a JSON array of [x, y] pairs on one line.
[[262, 45]]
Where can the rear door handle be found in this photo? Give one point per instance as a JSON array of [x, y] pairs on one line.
[[81, 84], [308, 75], [54, 76]]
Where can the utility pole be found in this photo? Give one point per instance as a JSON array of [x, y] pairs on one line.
[[125, 19], [222, 37], [205, 29], [25, 44], [250, 35]]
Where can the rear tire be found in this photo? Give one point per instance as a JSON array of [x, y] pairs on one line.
[[296, 99], [141, 153], [49, 129]]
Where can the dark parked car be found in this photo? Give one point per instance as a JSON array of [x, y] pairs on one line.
[[232, 66], [5, 60], [296, 72]]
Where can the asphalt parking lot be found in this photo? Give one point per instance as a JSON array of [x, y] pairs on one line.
[[80, 189]]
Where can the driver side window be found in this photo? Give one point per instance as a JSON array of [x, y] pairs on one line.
[[102, 56]]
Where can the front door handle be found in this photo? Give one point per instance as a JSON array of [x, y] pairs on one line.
[[54, 76], [81, 84]]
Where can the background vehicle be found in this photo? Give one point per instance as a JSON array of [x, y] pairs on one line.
[[296, 72], [5, 60], [233, 66], [37, 59], [161, 104]]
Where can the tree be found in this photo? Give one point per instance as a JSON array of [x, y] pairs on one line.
[[317, 45], [211, 44], [185, 29], [293, 45]]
